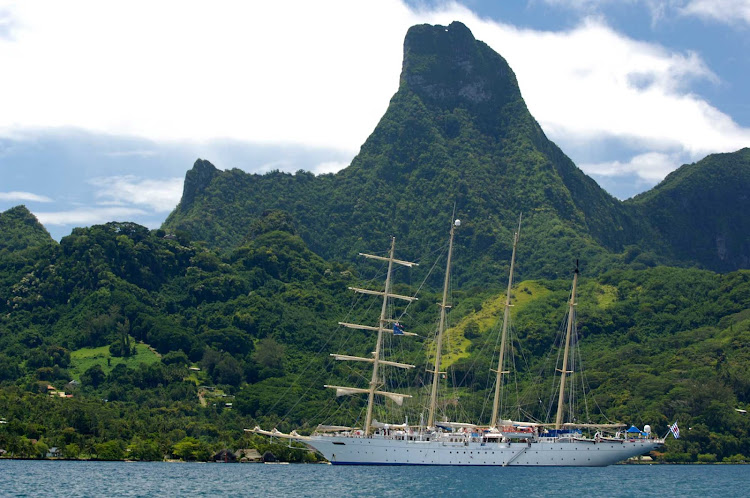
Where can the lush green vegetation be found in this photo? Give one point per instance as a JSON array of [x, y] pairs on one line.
[[83, 359], [21, 230], [256, 326], [700, 211], [126, 313], [179, 338]]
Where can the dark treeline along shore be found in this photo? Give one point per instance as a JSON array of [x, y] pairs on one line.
[[121, 342]]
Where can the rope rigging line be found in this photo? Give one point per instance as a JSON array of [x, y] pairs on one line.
[[345, 342], [329, 362]]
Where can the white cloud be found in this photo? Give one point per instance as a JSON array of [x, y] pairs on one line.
[[159, 195], [316, 73], [726, 11], [280, 165], [592, 83], [87, 216], [651, 167], [329, 167], [132, 153], [7, 24], [320, 74], [585, 5], [23, 197]]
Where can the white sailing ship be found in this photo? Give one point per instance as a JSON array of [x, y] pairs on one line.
[[501, 443]]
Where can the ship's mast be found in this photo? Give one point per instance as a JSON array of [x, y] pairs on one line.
[[565, 371], [376, 354], [383, 327], [441, 328], [504, 335]]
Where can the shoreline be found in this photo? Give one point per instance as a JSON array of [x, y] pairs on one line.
[[171, 460]]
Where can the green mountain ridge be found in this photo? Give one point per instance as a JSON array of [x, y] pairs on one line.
[[458, 133], [700, 210]]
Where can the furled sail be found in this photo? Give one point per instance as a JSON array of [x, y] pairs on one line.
[[381, 425], [276, 433], [374, 329], [383, 327], [381, 293], [333, 428], [519, 424], [346, 357], [397, 261], [397, 398]]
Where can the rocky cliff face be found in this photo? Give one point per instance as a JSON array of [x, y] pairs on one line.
[[196, 181], [457, 76]]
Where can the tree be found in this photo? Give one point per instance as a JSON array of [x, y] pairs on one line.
[[41, 448], [211, 358], [269, 355], [94, 375], [228, 371], [144, 450], [191, 449], [121, 345], [71, 451], [110, 450], [175, 358]]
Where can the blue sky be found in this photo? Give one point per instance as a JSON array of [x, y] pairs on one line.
[[105, 105]]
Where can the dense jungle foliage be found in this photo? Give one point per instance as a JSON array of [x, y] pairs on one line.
[[123, 342], [20, 230], [700, 211], [169, 342]]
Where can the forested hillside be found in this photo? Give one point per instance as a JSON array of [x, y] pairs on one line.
[[701, 211], [124, 342], [21, 230], [125, 312]]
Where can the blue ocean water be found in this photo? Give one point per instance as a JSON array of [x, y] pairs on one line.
[[61, 478]]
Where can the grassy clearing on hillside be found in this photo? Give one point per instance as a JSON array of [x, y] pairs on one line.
[[606, 295], [489, 317], [82, 359]]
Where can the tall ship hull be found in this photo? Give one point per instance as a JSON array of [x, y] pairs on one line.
[[380, 450]]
